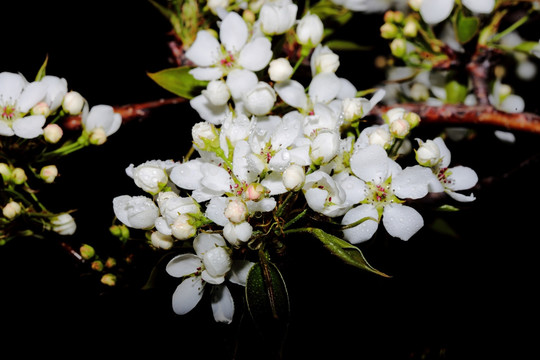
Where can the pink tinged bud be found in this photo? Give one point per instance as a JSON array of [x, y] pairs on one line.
[[73, 103], [48, 173], [11, 210], [52, 133], [97, 265], [254, 191], [400, 128], [182, 228], [41, 108], [236, 211], [294, 177]]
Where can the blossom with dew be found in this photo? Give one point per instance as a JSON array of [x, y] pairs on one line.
[[210, 265], [63, 224], [451, 179], [216, 58], [138, 212], [384, 185]]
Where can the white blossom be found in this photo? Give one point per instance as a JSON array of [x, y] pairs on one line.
[[280, 69], [101, 117], [309, 30], [277, 17], [64, 224], [138, 212]]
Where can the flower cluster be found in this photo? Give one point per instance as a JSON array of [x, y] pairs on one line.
[[278, 154], [33, 137]]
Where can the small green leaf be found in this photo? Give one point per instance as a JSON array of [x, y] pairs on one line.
[[466, 27], [346, 251], [527, 46], [178, 81], [41, 72], [455, 92], [342, 45]]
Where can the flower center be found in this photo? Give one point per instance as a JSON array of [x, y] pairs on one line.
[[227, 61], [380, 195], [443, 176], [8, 113]]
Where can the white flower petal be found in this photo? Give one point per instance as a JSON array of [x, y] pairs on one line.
[[207, 241], [444, 152], [324, 87], [187, 295], [370, 164], [11, 86], [239, 271], [206, 73], [5, 129], [363, 231], [187, 175], [462, 178], [240, 81], [401, 221], [256, 54], [413, 182], [233, 32], [29, 127], [435, 11], [215, 210], [214, 114], [461, 197], [513, 104], [205, 50], [31, 95], [222, 304], [184, 264], [479, 6], [293, 93], [215, 178]]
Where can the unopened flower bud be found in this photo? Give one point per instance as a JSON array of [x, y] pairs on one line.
[[260, 99], [18, 176], [398, 47], [87, 251], [64, 224], [52, 133], [98, 136], [280, 70], [161, 241], [412, 118], [254, 191], [182, 229], [239, 233], [217, 92], [120, 231], [411, 28], [5, 171], [400, 128], [381, 136], [97, 265], [393, 114], [236, 210], [294, 177], [11, 210], [150, 178], [73, 103], [41, 108], [310, 30], [48, 173], [324, 147], [204, 135], [415, 4], [353, 108], [389, 31], [108, 279], [110, 263], [428, 154], [326, 61]]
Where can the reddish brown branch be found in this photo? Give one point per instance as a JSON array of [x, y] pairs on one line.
[[469, 115]]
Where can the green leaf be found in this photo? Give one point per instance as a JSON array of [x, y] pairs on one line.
[[455, 92], [466, 27], [342, 45], [41, 72], [178, 81], [346, 251], [266, 294], [527, 46]]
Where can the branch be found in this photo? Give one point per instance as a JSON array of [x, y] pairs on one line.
[[466, 115]]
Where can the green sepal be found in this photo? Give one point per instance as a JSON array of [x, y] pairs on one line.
[[455, 92], [466, 27], [41, 72], [179, 81]]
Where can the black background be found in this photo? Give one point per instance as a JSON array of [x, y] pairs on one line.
[[469, 296]]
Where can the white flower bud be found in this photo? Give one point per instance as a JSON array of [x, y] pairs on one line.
[[324, 147], [277, 18], [73, 103], [260, 99], [203, 132], [294, 177], [181, 227], [11, 210], [64, 224], [428, 154], [237, 234], [310, 30], [217, 92], [48, 173], [325, 60], [236, 210], [380, 136], [419, 92], [400, 128], [138, 212], [98, 136], [150, 178], [217, 263], [394, 114], [280, 70], [52, 133], [18, 176], [354, 108], [5, 171], [161, 241]]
